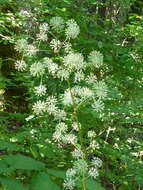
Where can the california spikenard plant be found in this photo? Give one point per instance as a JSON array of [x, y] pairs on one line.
[[78, 87]]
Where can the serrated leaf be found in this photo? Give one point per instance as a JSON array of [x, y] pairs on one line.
[[19, 161], [44, 182], [12, 184]]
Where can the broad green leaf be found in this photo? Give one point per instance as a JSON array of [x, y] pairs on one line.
[[9, 146], [42, 181], [4, 168], [19, 161], [93, 185], [12, 184], [57, 173]]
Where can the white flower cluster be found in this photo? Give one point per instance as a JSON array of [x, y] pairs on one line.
[[95, 59], [50, 65], [100, 89], [21, 45], [77, 94], [74, 61], [81, 88], [98, 105], [56, 45], [39, 107], [57, 23], [37, 69], [42, 36], [20, 65], [72, 30], [40, 90]]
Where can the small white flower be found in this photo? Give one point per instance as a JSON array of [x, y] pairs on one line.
[[81, 166], [70, 173], [52, 67], [91, 134], [31, 50], [44, 27], [91, 79], [51, 108], [69, 184], [74, 61], [57, 136], [37, 69], [76, 126], [95, 59], [94, 145], [79, 76], [55, 45], [100, 89], [67, 99], [60, 115], [39, 107], [96, 162], [42, 37], [62, 127], [72, 30], [70, 139], [93, 172], [57, 23], [98, 106], [77, 153], [40, 90], [63, 74], [20, 65], [67, 47], [21, 45]]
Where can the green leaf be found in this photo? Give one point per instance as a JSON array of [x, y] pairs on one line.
[[9, 146], [12, 184], [57, 173], [42, 181], [4, 168], [93, 185], [19, 161]]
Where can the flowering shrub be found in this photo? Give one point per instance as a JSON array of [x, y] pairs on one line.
[[81, 87]]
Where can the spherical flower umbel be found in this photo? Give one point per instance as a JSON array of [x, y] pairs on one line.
[[70, 173], [21, 45], [40, 90], [55, 45], [20, 65], [39, 107], [44, 27], [72, 30], [100, 89], [95, 59], [74, 61], [69, 183], [42, 36], [57, 23], [96, 162], [31, 50], [81, 166], [93, 172], [37, 69], [98, 105]]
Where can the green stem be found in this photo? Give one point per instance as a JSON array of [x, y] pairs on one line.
[[83, 181]]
